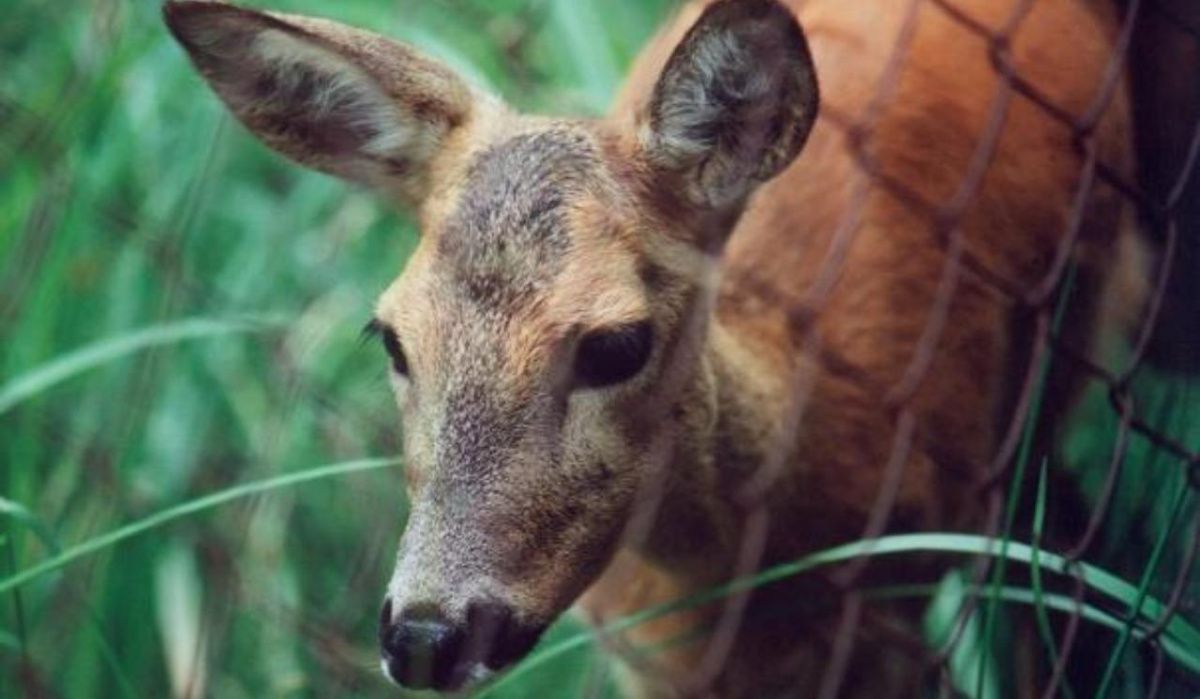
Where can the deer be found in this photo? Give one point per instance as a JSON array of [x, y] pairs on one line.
[[624, 340]]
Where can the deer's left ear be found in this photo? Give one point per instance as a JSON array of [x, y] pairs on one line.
[[734, 104], [341, 100]]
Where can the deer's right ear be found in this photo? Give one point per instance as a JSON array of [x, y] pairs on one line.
[[341, 100]]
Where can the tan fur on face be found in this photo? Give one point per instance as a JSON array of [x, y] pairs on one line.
[[577, 449]]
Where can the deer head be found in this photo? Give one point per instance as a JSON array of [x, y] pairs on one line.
[[553, 320]]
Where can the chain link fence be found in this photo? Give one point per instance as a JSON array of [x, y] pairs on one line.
[[1086, 637], [1096, 641]]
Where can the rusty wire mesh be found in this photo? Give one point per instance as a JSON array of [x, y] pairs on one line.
[[1153, 37]]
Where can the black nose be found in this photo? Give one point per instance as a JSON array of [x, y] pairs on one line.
[[423, 649]]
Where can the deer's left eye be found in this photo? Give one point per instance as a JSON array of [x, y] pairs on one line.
[[614, 356], [391, 343]]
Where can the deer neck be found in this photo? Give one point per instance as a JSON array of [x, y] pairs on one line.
[[729, 442], [728, 424]]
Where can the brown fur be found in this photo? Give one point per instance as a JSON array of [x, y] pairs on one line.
[[773, 389], [866, 329]]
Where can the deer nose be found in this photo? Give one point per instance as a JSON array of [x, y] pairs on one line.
[[423, 649]]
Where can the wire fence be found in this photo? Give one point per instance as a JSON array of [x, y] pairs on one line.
[[1162, 200], [1155, 35]]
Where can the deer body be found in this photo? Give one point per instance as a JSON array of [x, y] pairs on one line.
[[639, 355], [830, 282]]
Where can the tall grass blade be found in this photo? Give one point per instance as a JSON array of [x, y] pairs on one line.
[[47, 376], [1181, 640], [1035, 573], [31, 521], [947, 600], [1135, 606], [35, 524], [208, 502], [1032, 421]]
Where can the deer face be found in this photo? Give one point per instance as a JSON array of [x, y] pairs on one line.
[[528, 344], [548, 327]]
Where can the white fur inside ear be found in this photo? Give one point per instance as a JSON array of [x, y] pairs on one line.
[[331, 90], [731, 108], [720, 67]]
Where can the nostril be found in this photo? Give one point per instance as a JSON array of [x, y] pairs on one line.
[[421, 648], [503, 637], [487, 624]]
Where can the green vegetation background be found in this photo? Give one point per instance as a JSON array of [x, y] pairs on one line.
[[128, 200]]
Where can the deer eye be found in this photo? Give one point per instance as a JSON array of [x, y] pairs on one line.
[[613, 356], [391, 343]]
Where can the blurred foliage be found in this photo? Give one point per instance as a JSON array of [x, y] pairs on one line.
[[128, 199], [132, 207]]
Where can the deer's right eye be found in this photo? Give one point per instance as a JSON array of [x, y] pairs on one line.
[[391, 343], [613, 356]]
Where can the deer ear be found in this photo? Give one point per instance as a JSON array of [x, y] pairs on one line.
[[341, 100], [734, 104]]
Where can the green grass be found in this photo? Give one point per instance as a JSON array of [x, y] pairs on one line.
[[196, 486], [143, 235]]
